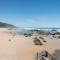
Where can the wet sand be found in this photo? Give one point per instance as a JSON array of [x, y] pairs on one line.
[[20, 47]]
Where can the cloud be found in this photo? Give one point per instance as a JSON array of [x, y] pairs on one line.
[[36, 21]]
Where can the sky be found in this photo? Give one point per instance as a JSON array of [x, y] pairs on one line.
[[30, 13]]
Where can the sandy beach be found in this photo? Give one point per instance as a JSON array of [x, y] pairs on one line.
[[21, 47]]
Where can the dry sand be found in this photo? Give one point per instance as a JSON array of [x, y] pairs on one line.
[[20, 47]]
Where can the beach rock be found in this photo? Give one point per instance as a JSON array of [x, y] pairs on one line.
[[37, 41]]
